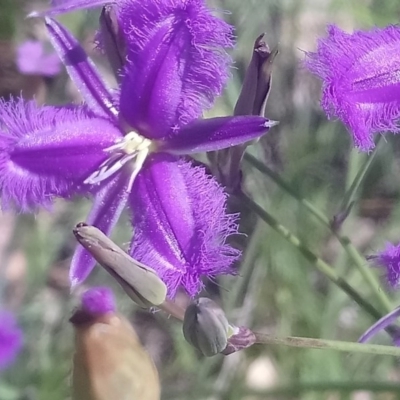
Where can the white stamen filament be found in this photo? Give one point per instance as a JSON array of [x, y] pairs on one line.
[[130, 147]]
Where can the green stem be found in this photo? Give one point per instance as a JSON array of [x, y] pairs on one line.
[[310, 343], [286, 187], [342, 387], [350, 193], [352, 252], [317, 262]]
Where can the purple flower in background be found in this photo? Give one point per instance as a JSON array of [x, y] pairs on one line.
[[361, 80], [126, 150], [11, 339], [62, 6], [32, 59], [389, 259], [98, 300]]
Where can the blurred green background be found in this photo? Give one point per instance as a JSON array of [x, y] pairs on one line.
[[277, 292]]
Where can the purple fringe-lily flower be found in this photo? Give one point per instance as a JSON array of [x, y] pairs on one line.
[[389, 259], [11, 339], [127, 150], [361, 80]]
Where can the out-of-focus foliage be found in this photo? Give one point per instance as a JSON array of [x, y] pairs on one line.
[[277, 291]]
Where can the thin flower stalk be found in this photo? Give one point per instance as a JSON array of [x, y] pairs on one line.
[[358, 260], [314, 260]]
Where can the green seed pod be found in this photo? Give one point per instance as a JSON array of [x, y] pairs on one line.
[[140, 283], [205, 327]]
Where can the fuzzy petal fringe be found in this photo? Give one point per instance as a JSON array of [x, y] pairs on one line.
[[181, 224], [48, 151], [177, 62], [361, 80]]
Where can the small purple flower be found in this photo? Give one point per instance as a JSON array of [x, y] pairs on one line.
[[32, 59], [361, 80], [11, 339], [127, 150], [389, 259], [98, 300]]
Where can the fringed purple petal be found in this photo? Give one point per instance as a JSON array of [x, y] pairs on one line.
[[361, 80], [389, 259], [11, 339], [63, 6], [380, 325], [109, 203], [216, 134], [82, 71], [181, 224], [176, 63], [98, 300], [48, 151]]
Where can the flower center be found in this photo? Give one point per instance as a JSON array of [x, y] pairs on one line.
[[132, 149]]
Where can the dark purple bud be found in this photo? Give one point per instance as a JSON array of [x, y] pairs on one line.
[[241, 339], [340, 217], [257, 81], [111, 39], [251, 101]]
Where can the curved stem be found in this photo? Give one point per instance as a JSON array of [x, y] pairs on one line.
[[317, 262], [352, 252], [350, 193]]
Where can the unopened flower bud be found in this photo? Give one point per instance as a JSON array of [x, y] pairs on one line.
[[241, 338], [140, 283], [251, 101], [257, 81], [206, 327], [112, 40]]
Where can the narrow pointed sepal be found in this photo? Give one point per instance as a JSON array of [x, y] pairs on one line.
[[380, 325], [64, 6], [361, 82], [108, 205], [216, 133], [181, 224], [82, 71], [176, 63], [49, 151]]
